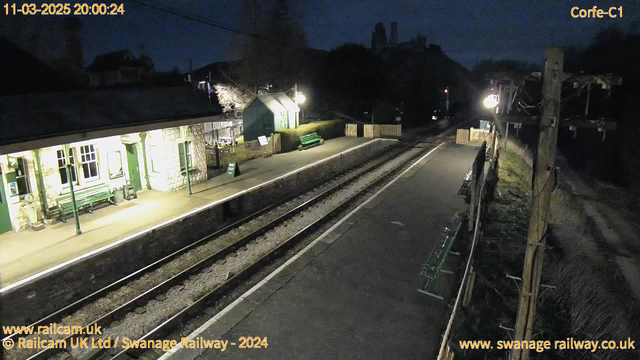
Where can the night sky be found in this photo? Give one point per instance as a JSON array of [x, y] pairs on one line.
[[468, 31]]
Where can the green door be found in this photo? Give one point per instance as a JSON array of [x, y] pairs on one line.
[[134, 168], [5, 220]]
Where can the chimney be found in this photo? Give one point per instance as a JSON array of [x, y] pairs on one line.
[[73, 41], [394, 34]]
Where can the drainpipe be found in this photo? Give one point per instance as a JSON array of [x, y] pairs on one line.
[[73, 195], [143, 137], [43, 191]]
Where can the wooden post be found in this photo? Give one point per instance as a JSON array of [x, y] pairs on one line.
[[506, 136], [542, 182]]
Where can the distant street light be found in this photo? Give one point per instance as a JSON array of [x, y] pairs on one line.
[[491, 101]]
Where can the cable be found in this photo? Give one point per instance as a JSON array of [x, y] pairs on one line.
[[213, 24]]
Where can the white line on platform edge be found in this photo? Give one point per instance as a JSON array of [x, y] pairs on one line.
[[242, 297], [177, 218]]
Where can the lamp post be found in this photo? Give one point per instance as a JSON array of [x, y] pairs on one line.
[[73, 195], [446, 92], [298, 98]]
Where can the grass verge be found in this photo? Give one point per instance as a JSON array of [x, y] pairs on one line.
[[590, 300]]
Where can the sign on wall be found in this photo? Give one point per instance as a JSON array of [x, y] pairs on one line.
[[13, 189]]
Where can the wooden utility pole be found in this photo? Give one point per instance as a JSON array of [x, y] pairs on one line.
[[542, 182]]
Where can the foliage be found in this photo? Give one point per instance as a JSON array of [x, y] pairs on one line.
[[270, 59], [326, 129], [231, 98]]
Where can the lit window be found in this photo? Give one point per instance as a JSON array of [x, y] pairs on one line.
[[62, 167], [22, 176], [181, 152], [114, 163], [89, 162]]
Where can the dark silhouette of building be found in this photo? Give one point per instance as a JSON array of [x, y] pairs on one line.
[[379, 41], [379, 38], [119, 67], [393, 41]]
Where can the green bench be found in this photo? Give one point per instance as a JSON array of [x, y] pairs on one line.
[[433, 267], [310, 140], [85, 199]]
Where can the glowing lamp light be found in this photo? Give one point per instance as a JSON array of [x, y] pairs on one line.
[[300, 98], [491, 101], [446, 91]]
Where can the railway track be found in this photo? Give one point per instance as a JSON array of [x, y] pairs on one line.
[[277, 216]]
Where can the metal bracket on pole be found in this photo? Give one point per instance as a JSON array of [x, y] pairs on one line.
[[520, 279]]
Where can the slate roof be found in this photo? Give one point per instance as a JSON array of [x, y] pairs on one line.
[[40, 116], [278, 102]]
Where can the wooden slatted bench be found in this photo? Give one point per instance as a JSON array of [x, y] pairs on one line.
[[85, 199], [310, 140], [433, 267]]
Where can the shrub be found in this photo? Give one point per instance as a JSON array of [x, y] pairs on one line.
[[328, 129]]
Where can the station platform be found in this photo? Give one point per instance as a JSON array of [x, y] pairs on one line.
[[28, 253], [352, 293]]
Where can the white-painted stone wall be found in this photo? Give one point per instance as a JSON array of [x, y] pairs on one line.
[[167, 177], [162, 147]]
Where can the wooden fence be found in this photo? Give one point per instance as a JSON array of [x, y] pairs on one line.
[[218, 158], [351, 130], [377, 130], [478, 204], [462, 137], [390, 130], [479, 135]]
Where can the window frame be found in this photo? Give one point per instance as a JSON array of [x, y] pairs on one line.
[[92, 157], [74, 170], [22, 162], [189, 149]]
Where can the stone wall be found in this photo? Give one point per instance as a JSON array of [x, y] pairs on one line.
[[166, 156], [44, 295]]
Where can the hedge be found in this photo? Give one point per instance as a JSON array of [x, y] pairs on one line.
[[328, 129]]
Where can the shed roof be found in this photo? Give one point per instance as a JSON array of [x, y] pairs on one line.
[[40, 116], [278, 102]]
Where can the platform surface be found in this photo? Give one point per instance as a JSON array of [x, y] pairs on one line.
[[352, 294], [28, 252]]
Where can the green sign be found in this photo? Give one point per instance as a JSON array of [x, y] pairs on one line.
[[233, 169]]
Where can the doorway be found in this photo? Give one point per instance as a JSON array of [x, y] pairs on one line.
[[134, 168], [5, 219]]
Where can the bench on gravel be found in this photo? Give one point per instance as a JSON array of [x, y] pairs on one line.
[[85, 199], [433, 267], [310, 140]]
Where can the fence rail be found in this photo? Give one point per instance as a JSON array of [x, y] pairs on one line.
[[475, 222]]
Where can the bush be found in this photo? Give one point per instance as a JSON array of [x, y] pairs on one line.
[[328, 129]]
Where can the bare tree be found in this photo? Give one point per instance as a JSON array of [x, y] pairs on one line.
[[271, 57]]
